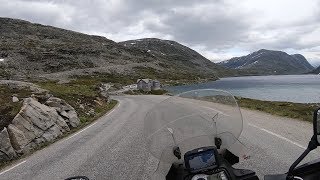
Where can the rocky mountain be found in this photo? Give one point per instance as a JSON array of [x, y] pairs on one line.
[[34, 49], [173, 52], [270, 62], [316, 71]]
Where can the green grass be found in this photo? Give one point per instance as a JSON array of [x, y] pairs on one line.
[[158, 92], [302, 111], [80, 92], [102, 111], [171, 77], [97, 78], [141, 92], [9, 109]]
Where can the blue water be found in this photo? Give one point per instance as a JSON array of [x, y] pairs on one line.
[[292, 88]]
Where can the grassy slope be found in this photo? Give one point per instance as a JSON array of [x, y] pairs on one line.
[[82, 94], [9, 109], [172, 78], [141, 92], [302, 111], [77, 92]]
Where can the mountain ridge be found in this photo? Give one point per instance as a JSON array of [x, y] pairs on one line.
[[316, 71], [172, 50], [31, 49], [34, 50], [267, 62]]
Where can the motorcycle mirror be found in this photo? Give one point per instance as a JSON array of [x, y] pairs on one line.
[[78, 178], [316, 125], [313, 144]]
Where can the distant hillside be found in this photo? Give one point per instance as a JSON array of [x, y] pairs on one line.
[[175, 55], [171, 51], [30, 49], [316, 71], [269, 62]]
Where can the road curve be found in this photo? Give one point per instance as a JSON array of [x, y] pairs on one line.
[[114, 146]]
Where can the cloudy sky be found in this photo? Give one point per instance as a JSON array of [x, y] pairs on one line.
[[218, 29]]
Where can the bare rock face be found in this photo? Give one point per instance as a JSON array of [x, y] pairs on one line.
[[6, 150], [17, 137], [52, 133], [36, 123], [66, 111]]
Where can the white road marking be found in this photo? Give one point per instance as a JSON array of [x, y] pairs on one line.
[[118, 105], [12, 167], [80, 131], [64, 140], [278, 136]]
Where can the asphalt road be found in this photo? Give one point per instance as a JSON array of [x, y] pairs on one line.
[[114, 146]]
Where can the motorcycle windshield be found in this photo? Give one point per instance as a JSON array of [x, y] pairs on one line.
[[192, 120]]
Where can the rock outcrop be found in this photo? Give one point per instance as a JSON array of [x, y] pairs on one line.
[[6, 150], [35, 125], [65, 110]]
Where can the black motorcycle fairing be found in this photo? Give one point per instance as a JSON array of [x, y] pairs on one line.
[[179, 172], [308, 171], [230, 157], [78, 178]]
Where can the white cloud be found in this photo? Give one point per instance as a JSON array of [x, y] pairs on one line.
[[219, 29], [39, 11]]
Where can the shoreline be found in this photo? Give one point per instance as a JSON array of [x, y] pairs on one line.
[[300, 111], [292, 88]]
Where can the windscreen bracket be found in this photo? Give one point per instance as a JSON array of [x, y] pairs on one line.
[[217, 142], [177, 152]]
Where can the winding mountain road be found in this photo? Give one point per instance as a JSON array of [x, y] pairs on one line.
[[114, 146]]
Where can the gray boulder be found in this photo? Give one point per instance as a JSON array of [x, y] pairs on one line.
[[17, 137], [15, 99], [63, 124], [34, 124], [52, 133], [6, 150], [66, 111]]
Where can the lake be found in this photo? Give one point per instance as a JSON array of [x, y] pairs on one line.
[[292, 88]]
